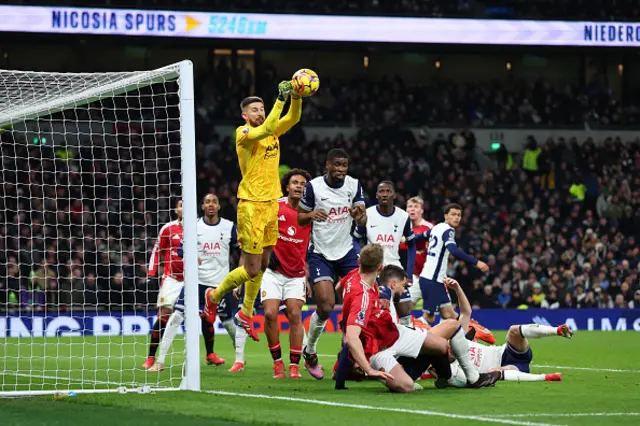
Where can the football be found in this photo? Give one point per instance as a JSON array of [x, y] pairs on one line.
[[305, 82]]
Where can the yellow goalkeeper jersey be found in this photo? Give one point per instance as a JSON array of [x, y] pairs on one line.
[[258, 150]]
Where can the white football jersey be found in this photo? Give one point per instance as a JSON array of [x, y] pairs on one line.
[[435, 268], [483, 358], [388, 231], [214, 248], [332, 238]]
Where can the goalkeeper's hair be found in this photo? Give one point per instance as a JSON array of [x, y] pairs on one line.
[[293, 172], [391, 272], [248, 101], [337, 153]]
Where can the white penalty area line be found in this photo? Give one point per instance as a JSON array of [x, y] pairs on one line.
[[488, 419], [570, 415], [607, 370]]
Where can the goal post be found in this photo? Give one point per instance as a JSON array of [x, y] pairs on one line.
[[92, 167]]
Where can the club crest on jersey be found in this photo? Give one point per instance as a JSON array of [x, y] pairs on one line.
[[271, 151], [245, 130]]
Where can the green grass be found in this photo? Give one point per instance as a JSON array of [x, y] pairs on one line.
[[582, 392]]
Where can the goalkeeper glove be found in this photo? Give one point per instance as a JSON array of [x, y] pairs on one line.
[[284, 90]]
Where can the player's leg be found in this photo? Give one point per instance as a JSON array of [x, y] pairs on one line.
[[401, 382], [251, 228], [272, 293], [512, 374], [294, 297], [208, 328], [167, 296], [431, 299], [174, 322], [321, 275]]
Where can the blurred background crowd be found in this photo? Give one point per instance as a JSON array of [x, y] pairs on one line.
[[557, 219]]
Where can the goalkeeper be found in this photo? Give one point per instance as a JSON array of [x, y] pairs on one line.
[[258, 151]]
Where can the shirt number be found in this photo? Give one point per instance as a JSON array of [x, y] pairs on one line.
[[434, 243]]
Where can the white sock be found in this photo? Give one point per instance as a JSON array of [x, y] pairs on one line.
[[305, 338], [536, 331], [240, 340], [460, 348], [407, 321], [231, 328], [169, 334], [519, 376], [316, 326]]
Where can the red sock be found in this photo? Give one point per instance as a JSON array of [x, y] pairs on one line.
[[276, 352], [294, 355]]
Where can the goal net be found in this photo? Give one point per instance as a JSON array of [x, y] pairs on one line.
[[93, 165]]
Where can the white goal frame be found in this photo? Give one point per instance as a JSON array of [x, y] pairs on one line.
[[182, 72]]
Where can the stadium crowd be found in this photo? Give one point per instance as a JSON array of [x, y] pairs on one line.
[[364, 102], [560, 232], [619, 10]]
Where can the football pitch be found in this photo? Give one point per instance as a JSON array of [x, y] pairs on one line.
[[601, 386]]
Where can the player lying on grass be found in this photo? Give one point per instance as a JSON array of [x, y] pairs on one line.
[[514, 357], [370, 332], [258, 149]]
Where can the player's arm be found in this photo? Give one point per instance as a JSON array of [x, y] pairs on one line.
[[359, 210], [450, 243], [292, 117], [158, 249], [410, 239], [360, 234], [423, 236], [306, 208], [463, 302]]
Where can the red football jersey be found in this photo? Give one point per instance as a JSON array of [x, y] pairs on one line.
[[293, 242], [421, 247], [361, 307], [167, 246]]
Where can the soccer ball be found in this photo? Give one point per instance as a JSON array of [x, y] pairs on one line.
[[305, 82]]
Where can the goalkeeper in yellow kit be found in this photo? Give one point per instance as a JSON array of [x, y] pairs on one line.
[[258, 151]]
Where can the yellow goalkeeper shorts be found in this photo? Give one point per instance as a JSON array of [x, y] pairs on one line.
[[257, 225]]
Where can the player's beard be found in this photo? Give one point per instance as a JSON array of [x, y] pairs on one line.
[[257, 122]]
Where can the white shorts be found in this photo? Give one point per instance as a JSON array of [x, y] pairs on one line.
[[277, 286], [169, 292], [408, 344], [414, 290]]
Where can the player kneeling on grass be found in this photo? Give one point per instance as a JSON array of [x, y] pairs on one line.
[[368, 327], [511, 359], [285, 278]]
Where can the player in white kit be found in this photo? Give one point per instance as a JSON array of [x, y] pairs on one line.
[[333, 202], [442, 242], [216, 238], [387, 225], [514, 357]]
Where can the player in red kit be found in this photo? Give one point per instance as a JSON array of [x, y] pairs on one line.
[[285, 278], [415, 209], [166, 249], [376, 343]]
